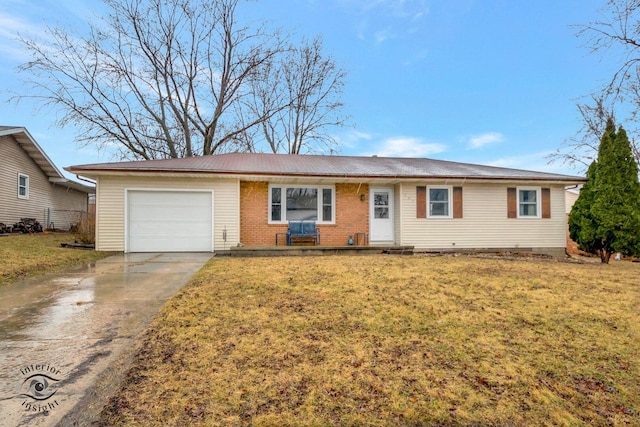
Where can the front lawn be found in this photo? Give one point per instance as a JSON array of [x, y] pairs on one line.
[[391, 340], [23, 255]]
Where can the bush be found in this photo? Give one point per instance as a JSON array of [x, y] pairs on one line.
[[85, 230]]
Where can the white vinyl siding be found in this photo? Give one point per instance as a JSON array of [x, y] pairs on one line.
[[485, 223], [397, 213], [110, 206], [569, 199]]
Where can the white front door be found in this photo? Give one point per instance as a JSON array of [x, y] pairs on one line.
[[381, 214]]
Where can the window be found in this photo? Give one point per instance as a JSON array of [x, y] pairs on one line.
[[439, 202], [381, 205], [23, 186], [449, 205], [301, 204], [327, 205], [528, 203], [276, 204]]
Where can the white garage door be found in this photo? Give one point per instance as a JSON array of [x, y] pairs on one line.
[[170, 221]]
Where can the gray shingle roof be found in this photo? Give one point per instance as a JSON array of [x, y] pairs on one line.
[[322, 166]]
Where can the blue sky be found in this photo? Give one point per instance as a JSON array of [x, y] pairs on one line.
[[493, 82]]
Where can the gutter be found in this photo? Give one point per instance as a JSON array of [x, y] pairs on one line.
[[329, 175], [81, 178]]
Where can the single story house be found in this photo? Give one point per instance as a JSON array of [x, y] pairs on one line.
[[31, 186], [214, 202]]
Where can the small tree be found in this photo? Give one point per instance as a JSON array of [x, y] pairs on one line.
[[582, 224], [606, 217]]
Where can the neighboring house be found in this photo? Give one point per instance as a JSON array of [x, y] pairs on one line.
[[211, 203], [31, 186], [571, 195]]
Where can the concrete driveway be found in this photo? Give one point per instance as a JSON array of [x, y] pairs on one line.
[[66, 339]]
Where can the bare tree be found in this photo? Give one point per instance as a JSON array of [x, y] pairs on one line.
[[304, 93], [617, 33], [582, 149], [155, 78], [617, 37]]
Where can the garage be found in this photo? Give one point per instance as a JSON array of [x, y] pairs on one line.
[[169, 221]]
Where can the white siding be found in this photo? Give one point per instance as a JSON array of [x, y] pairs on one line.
[[110, 206], [68, 208], [484, 223], [397, 213], [570, 198], [43, 195]]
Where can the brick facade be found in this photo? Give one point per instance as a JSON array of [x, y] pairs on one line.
[[352, 215]]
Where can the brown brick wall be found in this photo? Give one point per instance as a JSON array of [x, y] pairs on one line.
[[572, 247], [352, 215], [254, 227]]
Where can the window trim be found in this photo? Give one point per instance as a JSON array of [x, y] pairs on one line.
[[449, 189], [320, 207], [538, 191], [26, 186]]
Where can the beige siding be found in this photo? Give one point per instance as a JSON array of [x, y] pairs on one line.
[[110, 207], [397, 213], [68, 207], [44, 196], [569, 199], [484, 223]]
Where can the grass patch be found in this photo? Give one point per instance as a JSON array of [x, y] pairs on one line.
[[23, 255], [391, 341]]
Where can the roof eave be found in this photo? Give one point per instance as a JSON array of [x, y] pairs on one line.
[[252, 175], [33, 149]]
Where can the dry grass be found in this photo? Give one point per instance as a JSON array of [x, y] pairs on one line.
[[23, 255], [391, 341]]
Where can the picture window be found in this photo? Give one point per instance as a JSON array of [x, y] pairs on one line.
[[301, 204]]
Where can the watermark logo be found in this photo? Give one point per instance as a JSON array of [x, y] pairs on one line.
[[39, 387]]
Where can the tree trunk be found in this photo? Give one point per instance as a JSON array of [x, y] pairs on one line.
[[605, 256]]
